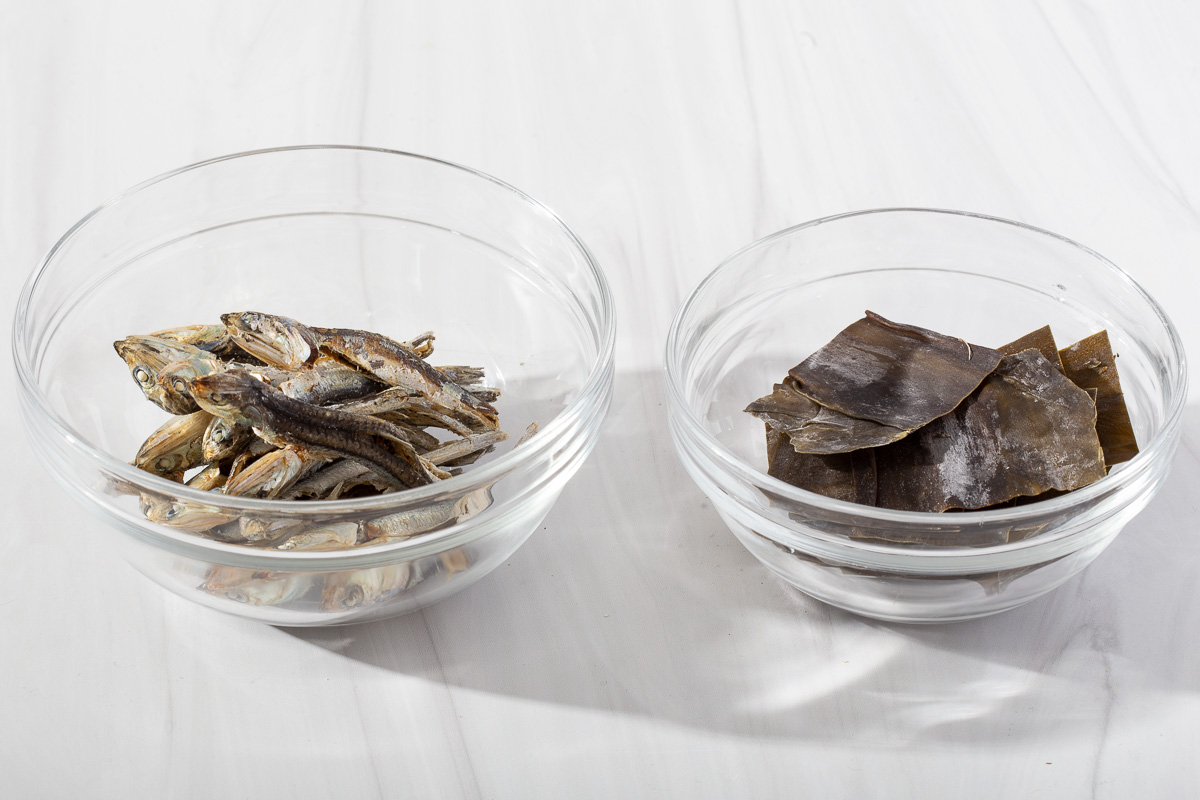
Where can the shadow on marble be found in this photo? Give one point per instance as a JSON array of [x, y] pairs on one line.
[[635, 599], [1136, 601]]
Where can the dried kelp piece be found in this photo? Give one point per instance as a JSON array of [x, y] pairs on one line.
[[812, 428], [893, 374], [1041, 340], [842, 476], [1090, 363], [1026, 430]]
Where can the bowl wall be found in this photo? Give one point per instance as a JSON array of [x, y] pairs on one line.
[[336, 237], [984, 280]]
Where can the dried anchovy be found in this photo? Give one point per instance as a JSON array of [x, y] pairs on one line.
[[177, 445], [147, 356], [325, 480], [281, 420], [269, 407]]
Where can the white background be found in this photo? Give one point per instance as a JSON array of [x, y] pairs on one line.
[[631, 648]]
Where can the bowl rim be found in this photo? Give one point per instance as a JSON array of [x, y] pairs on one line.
[[1162, 443], [592, 391]]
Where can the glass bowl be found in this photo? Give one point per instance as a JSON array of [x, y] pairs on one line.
[[338, 237], [986, 280]]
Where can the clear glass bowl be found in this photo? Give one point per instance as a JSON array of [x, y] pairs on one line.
[[986, 280], [338, 237]]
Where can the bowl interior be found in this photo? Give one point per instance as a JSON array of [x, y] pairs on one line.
[[417, 245], [983, 280]]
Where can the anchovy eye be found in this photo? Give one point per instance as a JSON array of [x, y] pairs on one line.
[[172, 512], [141, 376], [180, 385], [217, 397]]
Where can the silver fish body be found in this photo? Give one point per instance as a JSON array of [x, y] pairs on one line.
[[186, 515], [262, 530], [208, 479], [471, 447], [409, 523], [393, 363], [245, 457], [367, 587], [214, 339], [239, 395], [255, 587], [334, 536], [274, 472], [328, 380], [330, 481]]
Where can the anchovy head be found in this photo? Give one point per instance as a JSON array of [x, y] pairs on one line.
[[235, 395], [176, 377], [224, 438], [193, 517], [279, 341], [146, 357]]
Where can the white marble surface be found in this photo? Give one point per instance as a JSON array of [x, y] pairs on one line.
[[631, 648]]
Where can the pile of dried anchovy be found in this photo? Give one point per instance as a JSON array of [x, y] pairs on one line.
[[268, 407], [901, 417]]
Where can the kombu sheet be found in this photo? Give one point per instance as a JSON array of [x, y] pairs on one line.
[[1026, 430], [1091, 364], [902, 417], [893, 374]]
